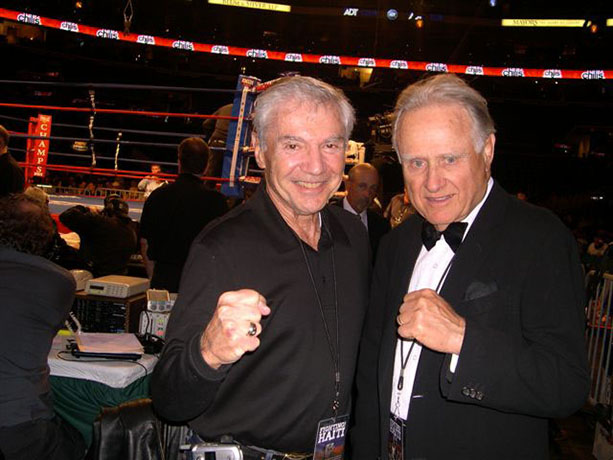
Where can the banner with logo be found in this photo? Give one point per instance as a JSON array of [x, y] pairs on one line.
[[38, 147]]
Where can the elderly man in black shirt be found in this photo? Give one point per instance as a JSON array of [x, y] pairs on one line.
[[262, 342], [174, 214]]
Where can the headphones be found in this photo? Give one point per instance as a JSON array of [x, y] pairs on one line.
[[115, 206]]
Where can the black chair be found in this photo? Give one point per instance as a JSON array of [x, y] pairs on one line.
[[133, 431]]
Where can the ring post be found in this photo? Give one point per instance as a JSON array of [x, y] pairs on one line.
[[239, 135]]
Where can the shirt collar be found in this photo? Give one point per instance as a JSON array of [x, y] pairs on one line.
[[283, 236], [473, 214], [347, 207]]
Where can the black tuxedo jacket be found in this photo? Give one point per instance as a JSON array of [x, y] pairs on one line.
[[517, 281]]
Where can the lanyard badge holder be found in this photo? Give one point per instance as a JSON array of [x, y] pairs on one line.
[[395, 443], [330, 440], [331, 432]]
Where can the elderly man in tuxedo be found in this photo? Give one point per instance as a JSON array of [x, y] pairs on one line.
[[475, 331]]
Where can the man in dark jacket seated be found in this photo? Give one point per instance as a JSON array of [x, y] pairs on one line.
[[36, 297], [108, 237]]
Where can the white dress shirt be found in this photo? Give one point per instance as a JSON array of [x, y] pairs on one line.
[[429, 272]]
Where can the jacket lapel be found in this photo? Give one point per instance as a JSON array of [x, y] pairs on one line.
[[475, 248]]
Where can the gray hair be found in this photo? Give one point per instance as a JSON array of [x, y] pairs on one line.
[[446, 89], [38, 195], [304, 89]]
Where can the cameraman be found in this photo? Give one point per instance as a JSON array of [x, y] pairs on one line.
[[107, 237]]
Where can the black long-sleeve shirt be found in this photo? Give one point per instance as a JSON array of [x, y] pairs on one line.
[[12, 179], [275, 396], [173, 215]]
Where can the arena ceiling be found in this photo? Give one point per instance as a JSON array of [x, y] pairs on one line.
[[454, 32]]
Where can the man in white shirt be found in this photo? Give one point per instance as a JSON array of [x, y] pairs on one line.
[[150, 183], [475, 331], [362, 184]]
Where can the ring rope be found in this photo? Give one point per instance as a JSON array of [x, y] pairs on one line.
[[102, 141], [113, 172], [127, 160], [118, 86], [131, 131], [116, 111], [113, 130], [8, 117]]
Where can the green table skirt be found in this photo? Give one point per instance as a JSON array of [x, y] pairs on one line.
[[80, 401]]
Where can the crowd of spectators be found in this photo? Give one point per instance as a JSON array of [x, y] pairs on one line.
[[93, 185]]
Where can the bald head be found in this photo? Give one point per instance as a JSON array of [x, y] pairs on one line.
[[362, 185]]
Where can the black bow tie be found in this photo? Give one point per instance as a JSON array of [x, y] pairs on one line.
[[453, 234]]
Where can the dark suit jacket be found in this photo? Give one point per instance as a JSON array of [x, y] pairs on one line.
[[517, 282], [36, 297], [377, 227]]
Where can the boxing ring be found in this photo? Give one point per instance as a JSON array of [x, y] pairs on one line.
[[99, 152]]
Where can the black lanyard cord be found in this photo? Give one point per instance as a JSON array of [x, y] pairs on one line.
[[336, 357], [405, 360]]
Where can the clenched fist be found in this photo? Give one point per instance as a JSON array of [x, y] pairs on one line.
[[234, 327], [426, 317]]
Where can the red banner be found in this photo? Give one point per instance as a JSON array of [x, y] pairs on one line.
[[229, 50], [38, 148]]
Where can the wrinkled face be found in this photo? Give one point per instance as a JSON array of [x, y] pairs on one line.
[[304, 157], [444, 175], [155, 169], [362, 189]]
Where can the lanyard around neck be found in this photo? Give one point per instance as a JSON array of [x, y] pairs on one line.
[[335, 354]]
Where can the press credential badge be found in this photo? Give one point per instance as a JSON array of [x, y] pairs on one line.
[[330, 440]]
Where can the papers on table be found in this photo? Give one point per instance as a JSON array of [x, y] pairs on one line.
[[102, 342]]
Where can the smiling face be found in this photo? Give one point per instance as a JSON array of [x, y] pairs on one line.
[[303, 158], [444, 175]]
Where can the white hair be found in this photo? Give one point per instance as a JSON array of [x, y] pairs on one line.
[[300, 88], [446, 89]]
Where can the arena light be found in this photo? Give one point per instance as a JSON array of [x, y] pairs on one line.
[[278, 7], [546, 23], [392, 14]]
